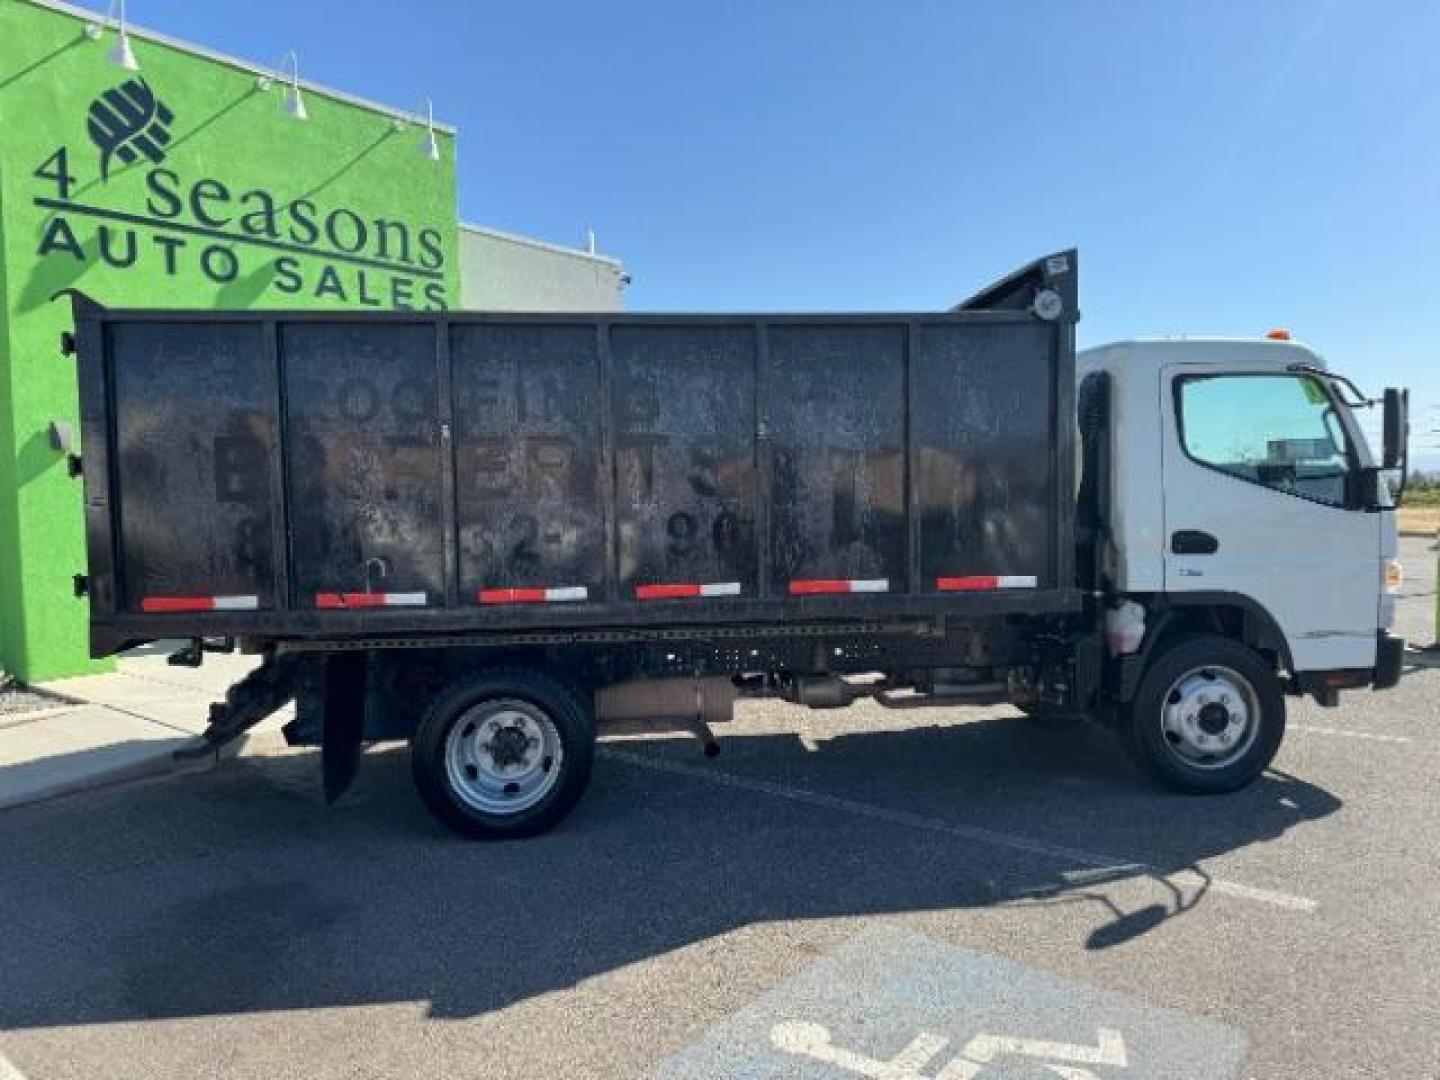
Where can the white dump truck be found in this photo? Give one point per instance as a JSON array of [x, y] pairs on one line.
[[492, 534]]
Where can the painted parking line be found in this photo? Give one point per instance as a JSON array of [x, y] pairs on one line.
[[1308, 729], [977, 834], [891, 1004], [8, 1071]]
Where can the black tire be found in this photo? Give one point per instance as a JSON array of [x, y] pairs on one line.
[[567, 708], [1163, 755]]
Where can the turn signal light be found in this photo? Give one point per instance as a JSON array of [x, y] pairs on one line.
[[1394, 575], [1278, 335]]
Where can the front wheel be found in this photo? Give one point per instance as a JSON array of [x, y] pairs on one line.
[[504, 753], [1208, 716]]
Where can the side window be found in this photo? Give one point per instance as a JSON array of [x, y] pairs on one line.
[[1280, 431]]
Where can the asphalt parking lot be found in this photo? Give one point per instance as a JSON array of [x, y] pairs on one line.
[[950, 894]]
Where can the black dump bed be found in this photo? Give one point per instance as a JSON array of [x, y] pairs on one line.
[[344, 476]]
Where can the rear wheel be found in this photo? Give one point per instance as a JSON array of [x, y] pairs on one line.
[[505, 753], [1208, 716]]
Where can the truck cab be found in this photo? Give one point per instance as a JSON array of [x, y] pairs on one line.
[[1245, 502]]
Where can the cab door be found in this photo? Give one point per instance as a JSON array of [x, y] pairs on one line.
[[1260, 472]]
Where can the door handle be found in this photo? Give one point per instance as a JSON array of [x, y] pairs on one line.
[[1193, 542]]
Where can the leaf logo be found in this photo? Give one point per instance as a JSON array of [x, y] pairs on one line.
[[127, 121]]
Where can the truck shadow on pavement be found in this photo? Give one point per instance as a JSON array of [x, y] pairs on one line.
[[237, 891]]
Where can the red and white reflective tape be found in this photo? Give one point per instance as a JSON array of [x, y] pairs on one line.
[[199, 603], [332, 600], [684, 590], [534, 596], [827, 586], [985, 582]]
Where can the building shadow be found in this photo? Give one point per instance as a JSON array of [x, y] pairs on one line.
[[36, 456], [239, 891], [350, 164], [35, 65], [245, 289], [58, 272]]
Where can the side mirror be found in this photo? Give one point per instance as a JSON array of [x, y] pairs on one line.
[[1365, 490], [1397, 429]]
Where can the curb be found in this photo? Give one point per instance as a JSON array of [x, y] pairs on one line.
[[152, 766], [156, 766]]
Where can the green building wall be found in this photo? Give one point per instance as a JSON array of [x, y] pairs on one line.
[[185, 184], [10, 629]]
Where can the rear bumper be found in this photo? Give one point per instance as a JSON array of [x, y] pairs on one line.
[[1389, 659]]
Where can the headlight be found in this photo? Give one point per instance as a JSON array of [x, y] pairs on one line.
[[1394, 576]]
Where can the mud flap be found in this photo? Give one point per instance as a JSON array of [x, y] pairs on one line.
[[344, 723]]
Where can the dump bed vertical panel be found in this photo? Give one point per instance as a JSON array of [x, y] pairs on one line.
[[985, 465], [194, 434], [365, 463], [837, 423], [527, 461], [684, 408]]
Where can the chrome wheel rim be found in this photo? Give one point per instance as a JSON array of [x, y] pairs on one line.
[[503, 756], [1210, 717]]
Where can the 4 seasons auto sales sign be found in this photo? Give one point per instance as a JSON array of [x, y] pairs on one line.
[[184, 184], [178, 224]]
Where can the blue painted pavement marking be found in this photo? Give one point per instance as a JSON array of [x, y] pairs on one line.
[[895, 1005]]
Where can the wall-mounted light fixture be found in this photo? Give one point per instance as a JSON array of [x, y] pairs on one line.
[[431, 146], [294, 103], [62, 441], [122, 55]]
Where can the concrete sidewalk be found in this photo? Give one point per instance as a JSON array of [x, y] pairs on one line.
[[106, 729]]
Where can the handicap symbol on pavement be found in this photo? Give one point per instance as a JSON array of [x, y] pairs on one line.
[[1063, 1059], [890, 1004]]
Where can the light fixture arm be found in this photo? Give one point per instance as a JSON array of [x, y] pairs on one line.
[[122, 55], [110, 15], [294, 102], [431, 146], [292, 58]]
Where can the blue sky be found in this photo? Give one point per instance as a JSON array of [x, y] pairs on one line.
[[1224, 167]]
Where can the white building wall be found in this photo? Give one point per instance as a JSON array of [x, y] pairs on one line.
[[503, 272]]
